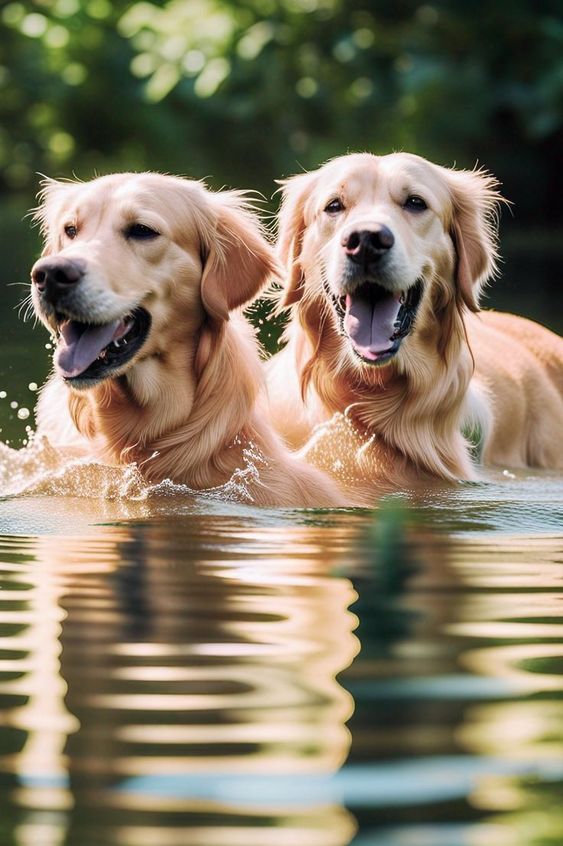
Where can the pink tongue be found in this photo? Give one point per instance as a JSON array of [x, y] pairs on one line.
[[370, 323], [82, 345]]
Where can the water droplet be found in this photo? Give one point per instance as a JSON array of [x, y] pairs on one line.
[[23, 413], [3, 395], [32, 386], [13, 404]]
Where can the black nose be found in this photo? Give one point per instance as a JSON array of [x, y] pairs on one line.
[[54, 276], [365, 246]]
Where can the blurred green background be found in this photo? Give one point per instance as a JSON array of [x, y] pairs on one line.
[[241, 93]]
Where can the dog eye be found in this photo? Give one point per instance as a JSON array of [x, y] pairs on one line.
[[140, 232], [71, 231], [334, 207], [415, 204]]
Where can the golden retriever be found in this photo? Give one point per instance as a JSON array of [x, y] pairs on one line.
[[385, 258], [138, 278]]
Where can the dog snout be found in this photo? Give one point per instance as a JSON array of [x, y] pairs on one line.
[[365, 246], [55, 276]]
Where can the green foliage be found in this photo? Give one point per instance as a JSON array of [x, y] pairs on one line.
[[473, 434], [245, 91]]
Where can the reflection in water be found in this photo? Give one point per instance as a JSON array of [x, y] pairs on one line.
[[527, 627], [196, 677], [185, 668], [458, 725]]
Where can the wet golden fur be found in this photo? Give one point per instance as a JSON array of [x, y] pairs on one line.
[[189, 405], [382, 426]]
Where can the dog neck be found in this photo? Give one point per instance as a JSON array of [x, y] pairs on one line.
[[408, 412], [187, 417]]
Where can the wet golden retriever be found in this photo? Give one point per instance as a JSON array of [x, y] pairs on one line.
[[385, 258], [137, 282]]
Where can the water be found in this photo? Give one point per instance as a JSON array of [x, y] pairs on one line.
[[186, 671]]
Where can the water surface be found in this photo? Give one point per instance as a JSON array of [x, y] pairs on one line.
[[177, 670]]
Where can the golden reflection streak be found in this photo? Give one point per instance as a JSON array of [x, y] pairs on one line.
[[44, 717], [338, 830], [506, 564], [36, 832], [508, 630], [526, 730], [272, 632]]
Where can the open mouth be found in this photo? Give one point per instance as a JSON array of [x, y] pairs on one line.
[[376, 320], [89, 352]]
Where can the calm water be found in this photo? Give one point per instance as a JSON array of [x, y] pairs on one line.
[[185, 671]]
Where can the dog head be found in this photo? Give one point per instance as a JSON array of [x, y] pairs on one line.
[[136, 264], [388, 242]]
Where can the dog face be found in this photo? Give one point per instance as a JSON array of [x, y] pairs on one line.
[[382, 239], [135, 265]]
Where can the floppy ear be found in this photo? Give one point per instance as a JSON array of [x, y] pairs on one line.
[[291, 226], [239, 259], [474, 231]]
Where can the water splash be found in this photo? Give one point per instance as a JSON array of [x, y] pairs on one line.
[[15, 412], [237, 489], [343, 450], [40, 469]]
